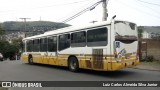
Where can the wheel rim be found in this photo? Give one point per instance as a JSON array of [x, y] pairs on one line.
[[30, 60], [73, 65]]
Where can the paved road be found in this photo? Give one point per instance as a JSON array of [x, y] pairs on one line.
[[18, 71]]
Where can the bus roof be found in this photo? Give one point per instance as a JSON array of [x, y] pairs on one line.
[[70, 29]]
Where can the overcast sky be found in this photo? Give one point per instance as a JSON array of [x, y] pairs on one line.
[[58, 10]]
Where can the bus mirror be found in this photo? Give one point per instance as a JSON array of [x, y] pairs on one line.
[[114, 17]]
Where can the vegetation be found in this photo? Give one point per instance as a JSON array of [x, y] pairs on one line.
[[148, 59], [1, 30], [140, 31], [18, 43], [8, 50]]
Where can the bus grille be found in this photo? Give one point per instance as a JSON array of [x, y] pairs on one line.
[[97, 55]]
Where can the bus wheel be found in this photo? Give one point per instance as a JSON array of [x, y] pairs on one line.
[[30, 60], [73, 64]]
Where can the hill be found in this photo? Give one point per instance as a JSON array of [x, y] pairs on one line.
[[42, 26], [151, 29]]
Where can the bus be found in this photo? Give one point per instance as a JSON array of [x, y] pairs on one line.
[[104, 46]]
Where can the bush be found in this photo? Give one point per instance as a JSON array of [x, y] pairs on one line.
[[149, 59]]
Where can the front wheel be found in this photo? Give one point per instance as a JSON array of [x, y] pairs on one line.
[[73, 64]]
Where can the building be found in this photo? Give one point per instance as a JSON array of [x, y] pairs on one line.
[[12, 36], [151, 32]]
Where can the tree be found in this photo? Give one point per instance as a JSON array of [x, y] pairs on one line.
[[4, 47], [8, 50], [1, 32], [12, 51], [140, 32], [18, 43]]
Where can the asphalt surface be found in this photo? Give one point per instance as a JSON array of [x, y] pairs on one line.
[[18, 71]]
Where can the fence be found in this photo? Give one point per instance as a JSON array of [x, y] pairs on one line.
[[150, 47]]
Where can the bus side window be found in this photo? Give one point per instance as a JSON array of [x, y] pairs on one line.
[[29, 45], [78, 39], [97, 37], [71, 37], [68, 36], [23, 47], [41, 49], [52, 44], [43, 44], [36, 45], [33, 45], [64, 41]]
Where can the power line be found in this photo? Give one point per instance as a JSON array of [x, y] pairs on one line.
[[148, 3], [83, 11], [148, 7], [64, 4], [141, 11], [75, 11], [49, 6]]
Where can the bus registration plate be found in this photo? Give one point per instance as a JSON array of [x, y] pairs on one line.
[[129, 63]]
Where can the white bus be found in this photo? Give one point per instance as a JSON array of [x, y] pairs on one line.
[[100, 46]]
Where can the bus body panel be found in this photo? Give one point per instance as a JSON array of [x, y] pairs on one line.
[[90, 57]]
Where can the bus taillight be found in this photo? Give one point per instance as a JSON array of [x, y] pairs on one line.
[[115, 54]]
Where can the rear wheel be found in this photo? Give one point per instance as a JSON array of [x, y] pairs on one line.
[[1, 59], [30, 60], [73, 64]]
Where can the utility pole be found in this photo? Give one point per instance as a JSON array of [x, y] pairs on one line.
[[24, 19], [105, 11]]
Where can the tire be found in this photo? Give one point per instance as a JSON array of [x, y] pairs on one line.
[[30, 60], [1, 59], [73, 64]]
